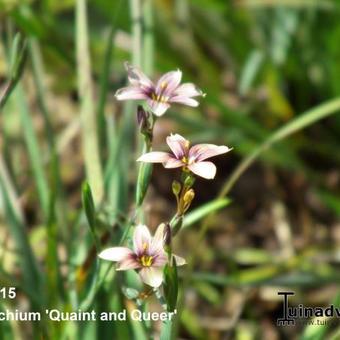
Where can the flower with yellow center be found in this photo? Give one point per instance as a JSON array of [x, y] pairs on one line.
[[188, 158], [161, 95], [147, 256]]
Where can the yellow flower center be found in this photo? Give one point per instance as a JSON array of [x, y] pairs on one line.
[[184, 160], [159, 98], [146, 260]]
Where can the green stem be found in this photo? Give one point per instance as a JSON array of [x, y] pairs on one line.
[[136, 18], [89, 121]]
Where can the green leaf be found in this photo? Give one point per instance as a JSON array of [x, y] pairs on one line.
[[90, 210], [90, 142], [17, 63], [88, 205], [170, 285], [166, 331], [5, 326], [205, 210], [144, 177], [29, 267]]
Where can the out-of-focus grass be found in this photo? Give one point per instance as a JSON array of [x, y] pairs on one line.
[[261, 63]]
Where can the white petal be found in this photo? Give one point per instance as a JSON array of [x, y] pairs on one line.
[[180, 261], [131, 93], [200, 152], [204, 169], [184, 100], [138, 78], [178, 145], [157, 242], [168, 83], [154, 157], [141, 239], [158, 108], [128, 263], [160, 260], [152, 276], [188, 90], [172, 163], [115, 253]]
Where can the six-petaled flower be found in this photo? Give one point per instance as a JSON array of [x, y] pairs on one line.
[[159, 96], [189, 158], [148, 255]]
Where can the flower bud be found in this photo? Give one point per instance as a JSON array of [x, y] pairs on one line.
[[167, 235], [143, 120], [176, 187], [189, 181], [189, 196]]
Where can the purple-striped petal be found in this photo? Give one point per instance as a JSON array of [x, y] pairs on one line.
[[155, 157], [115, 253], [172, 163], [138, 78], [168, 83], [128, 263], [151, 276], [203, 169], [200, 152], [160, 260], [184, 100], [158, 107], [178, 145], [141, 239], [188, 90], [131, 93]]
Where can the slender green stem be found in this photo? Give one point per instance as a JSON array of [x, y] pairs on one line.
[[104, 79], [136, 18], [89, 121], [148, 37]]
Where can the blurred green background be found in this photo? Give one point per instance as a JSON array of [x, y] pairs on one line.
[[271, 73]]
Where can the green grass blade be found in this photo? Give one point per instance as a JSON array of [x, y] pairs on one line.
[[105, 74], [306, 119], [38, 75], [89, 120], [90, 211], [29, 266], [33, 149], [17, 63], [204, 210]]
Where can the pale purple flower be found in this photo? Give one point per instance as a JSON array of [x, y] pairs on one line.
[[190, 158], [159, 96], [148, 255]]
